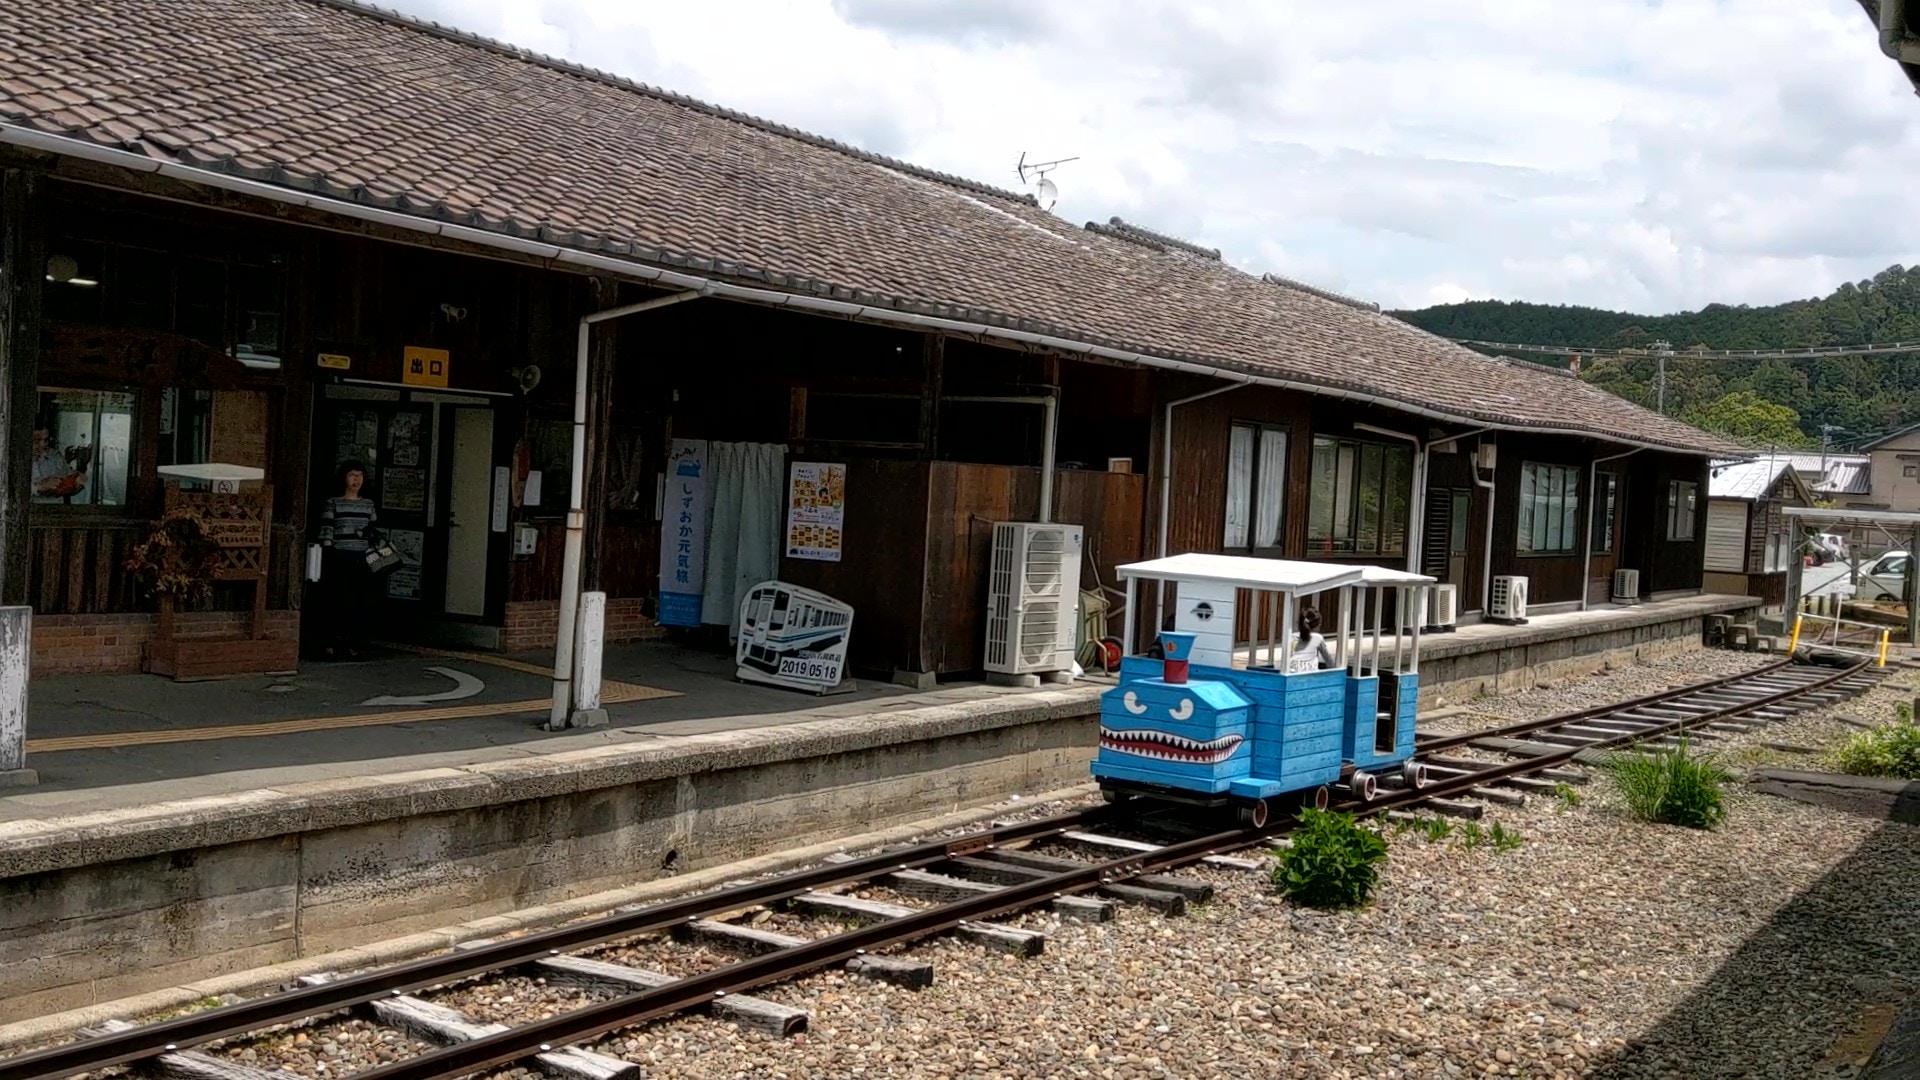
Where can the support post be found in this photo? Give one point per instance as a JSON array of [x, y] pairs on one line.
[[23, 260], [600, 360], [933, 366], [16, 651], [588, 711], [1912, 592]]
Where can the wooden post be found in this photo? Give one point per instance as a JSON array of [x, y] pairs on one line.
[[593, 500], [23, 260], [16, 653], [933, 362]]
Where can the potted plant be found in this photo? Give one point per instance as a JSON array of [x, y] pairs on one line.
[[177, 562]]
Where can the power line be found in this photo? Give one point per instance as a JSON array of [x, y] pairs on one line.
[[1811, 352]]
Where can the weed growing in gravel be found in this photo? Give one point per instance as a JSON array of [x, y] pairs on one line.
[[1671, 787], [1893, 750], [1435, 829], [1569, 798], [1504, 839], [1333, 861]]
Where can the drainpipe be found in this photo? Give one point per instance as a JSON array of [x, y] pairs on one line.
[[1593, 507], [563, 645], [1166, 481], [1417, 505], [1486, 565], [1050, 407]]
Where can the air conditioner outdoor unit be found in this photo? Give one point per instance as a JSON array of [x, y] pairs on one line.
[[1626, 586], [1033, 586], [1444, 613], [1509, 600]]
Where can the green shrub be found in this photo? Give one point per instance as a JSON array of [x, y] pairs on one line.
[[1893, 750], [1671, 787], [1332, 863]]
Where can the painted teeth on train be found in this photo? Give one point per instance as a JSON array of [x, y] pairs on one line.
[[1164, 746]]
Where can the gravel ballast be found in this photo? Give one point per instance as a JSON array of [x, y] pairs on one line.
[[1770, 946]]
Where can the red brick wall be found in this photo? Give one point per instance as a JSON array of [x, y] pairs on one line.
[[533, 624], [111, 644]]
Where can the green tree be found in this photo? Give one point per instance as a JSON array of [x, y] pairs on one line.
[[1750, 419], [1862, 396]]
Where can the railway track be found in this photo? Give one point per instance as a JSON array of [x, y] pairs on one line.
[[965, 881]]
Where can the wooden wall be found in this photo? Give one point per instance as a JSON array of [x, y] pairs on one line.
[[963, 503], [881, 565], [629, 561], [1664, 565], [1551, 579]]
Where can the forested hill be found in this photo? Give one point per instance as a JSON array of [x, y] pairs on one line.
[[1750, 400]]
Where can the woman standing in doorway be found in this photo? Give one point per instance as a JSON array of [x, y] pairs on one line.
[[346, 533]]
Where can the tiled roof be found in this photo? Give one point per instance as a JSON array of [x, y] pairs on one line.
[[327, 97]]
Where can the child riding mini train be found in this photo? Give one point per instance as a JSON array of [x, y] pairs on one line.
[[1218, 720]]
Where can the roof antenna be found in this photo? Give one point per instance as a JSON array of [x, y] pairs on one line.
[[1046, 193]]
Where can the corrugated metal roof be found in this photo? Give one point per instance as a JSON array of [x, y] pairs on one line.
[[1747, 479], [1847, 478]]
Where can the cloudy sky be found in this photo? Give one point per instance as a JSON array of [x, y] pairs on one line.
[[1649, 155]]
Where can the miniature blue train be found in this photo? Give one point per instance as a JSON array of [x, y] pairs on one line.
[[1210, 723]]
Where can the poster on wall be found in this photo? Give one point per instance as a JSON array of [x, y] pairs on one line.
[[816, 510], [403, 581], [404, 489], [792, 637], [683, 534]]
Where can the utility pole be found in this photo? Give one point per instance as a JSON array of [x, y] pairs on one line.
[[1664, 349]]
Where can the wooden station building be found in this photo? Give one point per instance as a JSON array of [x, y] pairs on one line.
[[242, 242]]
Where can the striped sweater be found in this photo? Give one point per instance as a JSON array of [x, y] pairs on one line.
[[347, 523]]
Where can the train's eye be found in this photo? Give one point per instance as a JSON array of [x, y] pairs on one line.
[[1182, 710]]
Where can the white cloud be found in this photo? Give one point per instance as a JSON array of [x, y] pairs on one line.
[[1612, 153]]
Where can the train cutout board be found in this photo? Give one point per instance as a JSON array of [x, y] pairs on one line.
[[792, 637], [1282, 716]]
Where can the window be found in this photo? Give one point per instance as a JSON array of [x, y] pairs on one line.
[[1256, 486], [1357, 498], [1681, 498], [1606, 511], [1779, 551], [1910, 471], [1549, 509], [82, 447]]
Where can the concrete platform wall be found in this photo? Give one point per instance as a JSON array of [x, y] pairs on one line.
[[161, 897], [1457, 668]]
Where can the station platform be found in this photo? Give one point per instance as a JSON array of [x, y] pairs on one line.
[[183, 831]]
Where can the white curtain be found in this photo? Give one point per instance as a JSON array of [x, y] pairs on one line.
[[747, 485]]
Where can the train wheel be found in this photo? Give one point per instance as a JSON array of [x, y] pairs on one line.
[[1415, 774], [1364, 785], [1318, 798], [1256, 813]]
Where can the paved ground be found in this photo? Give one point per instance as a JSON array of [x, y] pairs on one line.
[[333, 713]]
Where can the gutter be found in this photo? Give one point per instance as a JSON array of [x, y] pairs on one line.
[[1486, 563], [671, 279], [1896, 40]]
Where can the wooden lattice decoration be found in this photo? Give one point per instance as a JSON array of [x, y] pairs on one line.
[[239, 523]]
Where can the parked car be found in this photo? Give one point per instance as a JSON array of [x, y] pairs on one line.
[[1829, 547], [1886, 577]]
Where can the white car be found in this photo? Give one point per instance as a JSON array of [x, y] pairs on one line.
[[1886, 577]]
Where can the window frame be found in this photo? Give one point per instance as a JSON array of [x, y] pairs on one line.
[[1256, 480], [1560, 506], [1349, 458], [1610, 508], [1675, 519], [128, 507]]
